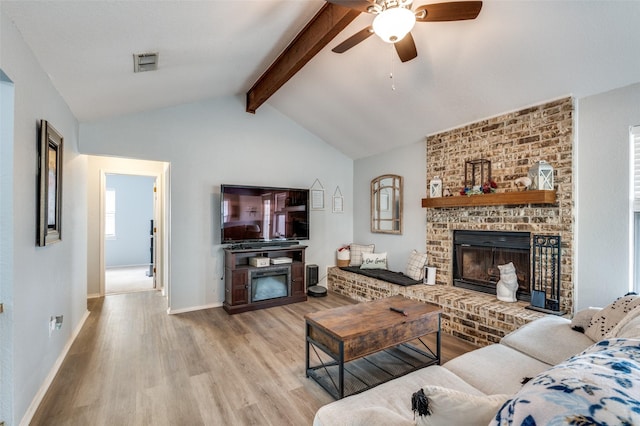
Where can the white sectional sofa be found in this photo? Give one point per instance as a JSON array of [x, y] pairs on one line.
[[532, 354]]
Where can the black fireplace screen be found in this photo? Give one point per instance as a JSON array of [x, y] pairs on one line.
[[545, 295], [477, 255]]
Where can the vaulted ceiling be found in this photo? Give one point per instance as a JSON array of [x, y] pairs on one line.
[[364, 101]]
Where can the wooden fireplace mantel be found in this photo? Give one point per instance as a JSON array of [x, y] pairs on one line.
[[495, 199]]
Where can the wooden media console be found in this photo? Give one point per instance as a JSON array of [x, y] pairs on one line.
[[279, 282]]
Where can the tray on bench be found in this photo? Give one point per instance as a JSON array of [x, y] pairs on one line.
[[383, 274]]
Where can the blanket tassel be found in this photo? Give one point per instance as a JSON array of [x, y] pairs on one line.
[[420, 403]]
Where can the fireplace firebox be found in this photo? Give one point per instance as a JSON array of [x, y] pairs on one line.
[[477, 254], [269, 283]]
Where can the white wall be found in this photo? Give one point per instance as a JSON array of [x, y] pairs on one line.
[[410, 163], [134, 211], [6, 244], [213, 142], [46, 280], [603, 230]]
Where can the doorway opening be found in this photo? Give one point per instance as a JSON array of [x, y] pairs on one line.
[[112, 224], [129, 211]]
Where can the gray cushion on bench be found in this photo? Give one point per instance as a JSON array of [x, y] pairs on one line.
[[383, 274]]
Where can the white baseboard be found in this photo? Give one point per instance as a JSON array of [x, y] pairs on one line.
[[37, 399], [193, 308], [93, 295]]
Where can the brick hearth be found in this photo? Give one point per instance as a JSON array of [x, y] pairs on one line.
[[478, 318]]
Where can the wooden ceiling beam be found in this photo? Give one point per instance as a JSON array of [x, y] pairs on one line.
[[325, 25]]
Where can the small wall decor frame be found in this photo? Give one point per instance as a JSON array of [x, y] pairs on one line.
[[338, 201], [50, 147], [316, 193]]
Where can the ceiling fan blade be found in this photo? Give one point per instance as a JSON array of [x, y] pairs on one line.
[[353, 40], [454, 11], [406, 48], [360, 5]]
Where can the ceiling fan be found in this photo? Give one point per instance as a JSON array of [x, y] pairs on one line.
[[395, 19]]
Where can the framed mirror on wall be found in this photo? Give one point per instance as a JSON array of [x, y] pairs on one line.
[[386, 204], [49, 185]]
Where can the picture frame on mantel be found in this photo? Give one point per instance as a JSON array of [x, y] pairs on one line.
[[50, 149]]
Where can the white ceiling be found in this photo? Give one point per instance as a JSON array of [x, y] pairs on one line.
[[515, 54]]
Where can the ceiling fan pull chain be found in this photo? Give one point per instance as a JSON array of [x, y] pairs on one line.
[[393, 84]]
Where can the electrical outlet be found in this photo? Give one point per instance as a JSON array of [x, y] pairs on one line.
[[55, 323], [58, 323]]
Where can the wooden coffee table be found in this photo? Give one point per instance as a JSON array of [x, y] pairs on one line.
[[371, 342]]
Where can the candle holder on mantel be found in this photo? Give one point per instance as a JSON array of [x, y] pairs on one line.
[[476, 168], [545, 275]]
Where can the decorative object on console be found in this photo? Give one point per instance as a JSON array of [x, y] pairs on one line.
[[435, 187], [541, 175], [280, 260], [374, 261], [356, 251], [545, 279], [259, 262], [507, 285], [523, 181]]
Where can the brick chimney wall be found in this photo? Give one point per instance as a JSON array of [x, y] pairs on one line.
[[513, 142]]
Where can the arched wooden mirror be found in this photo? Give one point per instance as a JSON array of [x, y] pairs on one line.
[[386, 204]]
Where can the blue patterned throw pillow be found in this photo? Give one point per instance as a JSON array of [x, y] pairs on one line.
[[600, 386]]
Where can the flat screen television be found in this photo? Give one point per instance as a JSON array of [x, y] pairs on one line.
[[261, 213]]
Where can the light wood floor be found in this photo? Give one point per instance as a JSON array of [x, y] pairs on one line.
[[132, 364]]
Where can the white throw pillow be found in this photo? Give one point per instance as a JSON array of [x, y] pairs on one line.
[[581, 319], [374, 261], [415, 265], [356, 253], [603, 323], [629, 326], [451, 407]]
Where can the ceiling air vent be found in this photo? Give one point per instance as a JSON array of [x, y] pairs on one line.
[[145, 62]]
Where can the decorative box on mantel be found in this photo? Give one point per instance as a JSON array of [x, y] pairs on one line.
[[494, 199]]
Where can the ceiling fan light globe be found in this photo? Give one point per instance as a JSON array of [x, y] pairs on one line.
[[393, 24]]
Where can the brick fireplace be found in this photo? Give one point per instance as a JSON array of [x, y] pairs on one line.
[[513, 142]]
